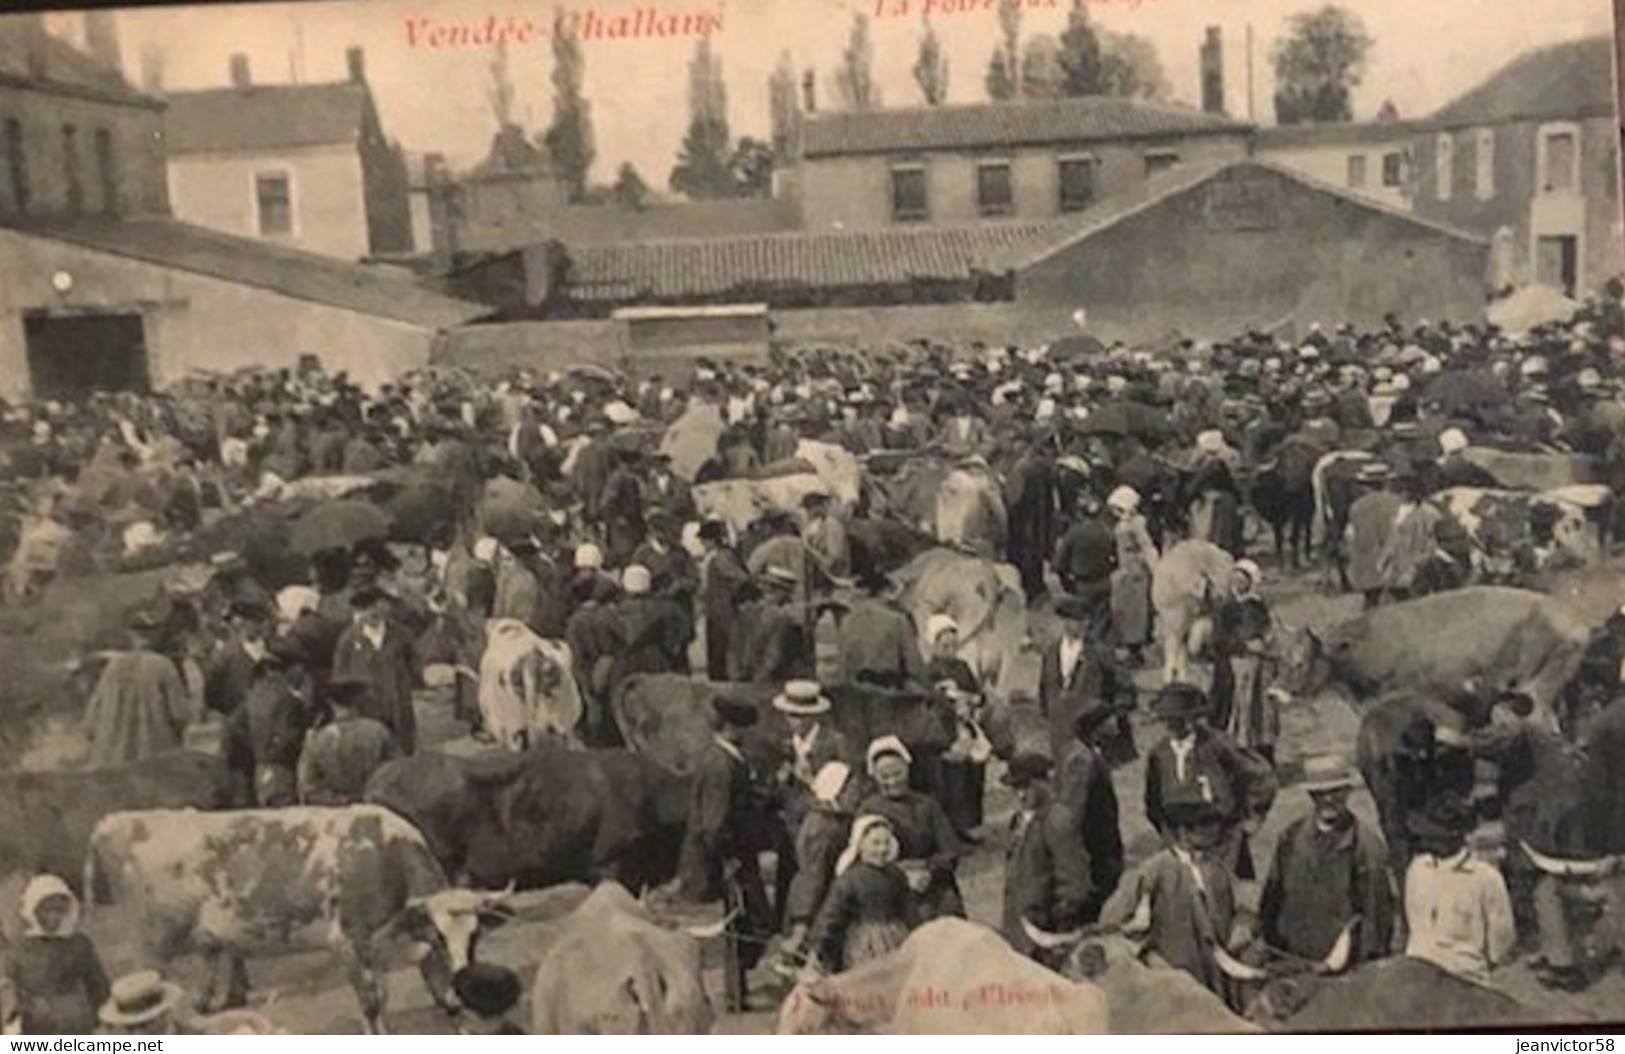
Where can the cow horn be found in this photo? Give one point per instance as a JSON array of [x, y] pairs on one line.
[[1567, 868], [711, 930], [1047, 940], [1337, 960], [1235, 969]]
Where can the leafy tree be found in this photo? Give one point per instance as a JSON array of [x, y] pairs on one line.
[[784, 108], [630, 190], [1318, 64], [702, 165], [1041, 73], [1080, 54], [854, 80], [751, 168], [569, 140], [1129, 67], [931, 68], [998, 82]]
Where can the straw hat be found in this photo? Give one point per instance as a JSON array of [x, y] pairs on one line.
[[802, 699], [1327, 773], [138, 999]]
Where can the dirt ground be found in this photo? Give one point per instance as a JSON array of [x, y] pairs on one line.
[[308, 994]]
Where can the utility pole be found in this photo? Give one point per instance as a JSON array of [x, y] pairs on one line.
[[1251, 117]]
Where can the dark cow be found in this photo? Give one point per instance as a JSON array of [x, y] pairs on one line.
[[882, 546], [541, 817], [46, 818], [1283, 495], [666, 718], [1388, 995], [272, 881]]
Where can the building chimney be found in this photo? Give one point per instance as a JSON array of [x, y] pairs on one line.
[[809, 91], [101, 39], [355, 60], [1212, 63], [239, 72]]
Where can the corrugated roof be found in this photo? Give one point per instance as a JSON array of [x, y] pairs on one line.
[[986, 125], [245, 261], [29, 54], [1572, 79], [264, 117]]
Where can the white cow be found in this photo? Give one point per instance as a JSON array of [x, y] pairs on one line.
[[527, 686]]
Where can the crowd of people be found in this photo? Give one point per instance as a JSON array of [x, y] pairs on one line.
[[306, 658]]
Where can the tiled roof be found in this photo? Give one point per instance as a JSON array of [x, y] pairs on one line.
[[32, 56], [699, 267], [1365, 133], [264, 117], [1568, 80], [1003, 125], [245, 261]]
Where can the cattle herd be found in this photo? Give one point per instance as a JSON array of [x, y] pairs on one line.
[[298, 669]]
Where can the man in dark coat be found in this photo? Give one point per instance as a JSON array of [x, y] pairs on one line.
[[1046, 878], [773, 645], [879, 643], [596, 635], [226, 684], [620, 507], [722, 835], [593, 464], [1329, 870], [1196, 765], [1078, 670], [1086, 558], [1604, 801], [1029, 499], [654, 631], [1083, 785], [722, 575], [378, 651]]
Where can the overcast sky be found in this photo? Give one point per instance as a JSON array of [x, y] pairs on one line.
[[1426, 52]]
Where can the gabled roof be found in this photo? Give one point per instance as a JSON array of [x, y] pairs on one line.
[[986, 125], [245, 261], [1117, 210], [1568, 80], [31, 57], [264, 117]]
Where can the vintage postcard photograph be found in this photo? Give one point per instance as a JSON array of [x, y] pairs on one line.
[[811, 517]]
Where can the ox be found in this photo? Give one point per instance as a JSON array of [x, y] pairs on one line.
[[528, 688], [1504, 528], [985, 600], [1534, 471], [614, 970], [541, 817], [1492, 635], [950, 977], [1186, 587], [68, 805], [233, 884]]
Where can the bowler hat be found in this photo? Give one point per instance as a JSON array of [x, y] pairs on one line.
[[249, 610], [1072, 608], [346, 688], [1027, 769], [366, 597], [487, 989], [1192, 814], [733, 712], [1327, 773], [1180, 700]]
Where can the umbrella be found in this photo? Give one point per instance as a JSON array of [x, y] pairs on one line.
[[692, 439], [1126, 419], [340, 525], [510, 508], [418, 502], [592, 372], [1075, 346], [1464, 391]]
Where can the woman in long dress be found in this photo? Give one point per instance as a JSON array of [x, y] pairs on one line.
[[867, 913], [1242, 703], [1131, 582]]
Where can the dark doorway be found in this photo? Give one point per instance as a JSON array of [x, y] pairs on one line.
[[1557, 262], [71, 355]]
